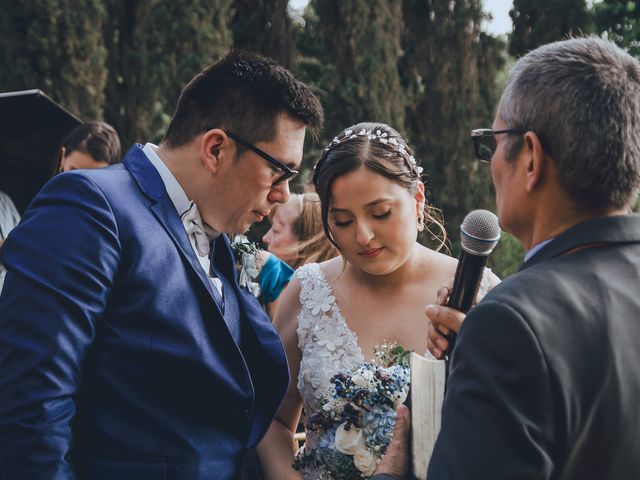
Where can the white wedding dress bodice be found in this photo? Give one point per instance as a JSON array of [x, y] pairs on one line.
[[327, 345]]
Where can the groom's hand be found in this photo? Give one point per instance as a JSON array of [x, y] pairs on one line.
[[395, 463]]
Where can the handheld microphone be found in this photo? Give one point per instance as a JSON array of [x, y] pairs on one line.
[[479, 234]]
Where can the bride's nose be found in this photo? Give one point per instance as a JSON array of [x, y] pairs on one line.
[[364, 233]]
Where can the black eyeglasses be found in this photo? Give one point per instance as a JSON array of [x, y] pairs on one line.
[[484, 141], [287, 173]]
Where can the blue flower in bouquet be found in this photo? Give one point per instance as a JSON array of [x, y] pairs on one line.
[[328, 437], [378, 427]]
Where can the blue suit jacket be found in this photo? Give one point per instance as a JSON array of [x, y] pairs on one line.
[[115, 361]]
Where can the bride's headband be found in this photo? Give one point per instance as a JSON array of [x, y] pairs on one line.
[[380, 136]]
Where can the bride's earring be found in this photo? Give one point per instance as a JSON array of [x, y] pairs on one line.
[[420, 222]]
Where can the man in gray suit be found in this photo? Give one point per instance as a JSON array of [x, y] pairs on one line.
[[543, 381]]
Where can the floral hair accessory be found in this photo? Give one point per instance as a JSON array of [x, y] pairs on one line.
[[380, 136]]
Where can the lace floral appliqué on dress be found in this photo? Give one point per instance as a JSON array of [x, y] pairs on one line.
[[327, 345]]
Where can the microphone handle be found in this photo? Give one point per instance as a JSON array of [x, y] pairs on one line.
[[465, 286]]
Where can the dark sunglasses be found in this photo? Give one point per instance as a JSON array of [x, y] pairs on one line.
[[287, 173], [484, 141]]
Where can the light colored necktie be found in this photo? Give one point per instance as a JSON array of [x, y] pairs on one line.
[[196, 231], [192, 222]]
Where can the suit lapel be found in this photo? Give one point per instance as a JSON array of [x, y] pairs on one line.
[[272, 359], [163, 209], [258, 321]]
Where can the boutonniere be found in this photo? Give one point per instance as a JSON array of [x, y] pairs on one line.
[[248, 263]]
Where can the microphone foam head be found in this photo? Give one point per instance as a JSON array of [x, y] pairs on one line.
[[480, 232]]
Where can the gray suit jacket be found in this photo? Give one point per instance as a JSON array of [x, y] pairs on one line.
[[544, 380]]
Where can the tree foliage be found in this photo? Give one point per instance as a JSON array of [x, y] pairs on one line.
[[620, 21], [351, 50], [122, 61], [264, 26], [536, 22], [451, 68], [55, 46], [155, 47], [422, 66]]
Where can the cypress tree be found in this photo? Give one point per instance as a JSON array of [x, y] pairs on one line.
[[265, 27], [537, 22], [351, 50], [155, 47], [55, 46], [452, 68]]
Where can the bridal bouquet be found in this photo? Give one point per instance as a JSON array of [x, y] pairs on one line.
[[356, 422]]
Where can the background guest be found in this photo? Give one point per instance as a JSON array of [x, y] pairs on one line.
[[296, 237], [90, 145]]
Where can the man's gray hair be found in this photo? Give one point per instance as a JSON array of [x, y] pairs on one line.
[[582, 98]]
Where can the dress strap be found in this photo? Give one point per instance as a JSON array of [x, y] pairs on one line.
[[310, 277]]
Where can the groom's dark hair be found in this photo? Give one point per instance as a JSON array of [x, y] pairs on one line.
[[243, 93]]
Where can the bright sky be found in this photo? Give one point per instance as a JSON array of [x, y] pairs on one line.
[[499, 10]]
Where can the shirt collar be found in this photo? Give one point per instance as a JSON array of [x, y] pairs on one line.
[[536, 249], [176, 193]]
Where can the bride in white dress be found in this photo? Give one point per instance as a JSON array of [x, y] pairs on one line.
[[334, 314]]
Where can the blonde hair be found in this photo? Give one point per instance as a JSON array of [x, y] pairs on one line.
[[312, 245]]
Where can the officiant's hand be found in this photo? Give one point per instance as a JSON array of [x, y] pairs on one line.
[[395, 464], [443, 320]]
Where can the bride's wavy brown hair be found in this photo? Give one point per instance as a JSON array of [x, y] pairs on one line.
[[350, 152]]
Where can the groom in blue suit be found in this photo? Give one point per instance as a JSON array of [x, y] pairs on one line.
[[128, 350]]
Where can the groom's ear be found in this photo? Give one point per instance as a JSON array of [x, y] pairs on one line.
[[215, 149]]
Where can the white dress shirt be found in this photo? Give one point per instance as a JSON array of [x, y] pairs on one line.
[[189, 214]]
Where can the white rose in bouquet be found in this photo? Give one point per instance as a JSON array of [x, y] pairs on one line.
[[348, 441], [365, 461]]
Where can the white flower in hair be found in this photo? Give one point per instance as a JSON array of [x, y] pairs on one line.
[[384, 138]]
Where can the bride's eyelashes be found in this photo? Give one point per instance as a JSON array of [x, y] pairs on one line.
[[342, 224], [346, 223], [384, 215]]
